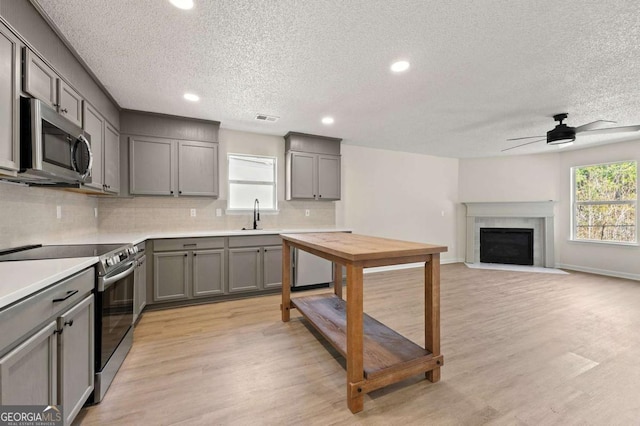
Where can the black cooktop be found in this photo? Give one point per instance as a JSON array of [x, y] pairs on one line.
[[38, 252]]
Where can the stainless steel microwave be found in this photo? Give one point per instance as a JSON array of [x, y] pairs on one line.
[[52, 149]]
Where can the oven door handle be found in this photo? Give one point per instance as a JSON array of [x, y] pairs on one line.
[[106, 281]]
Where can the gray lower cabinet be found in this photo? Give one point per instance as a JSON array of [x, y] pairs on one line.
[[140, 287], [255, 268], [9, 101], [76, 357], [188, 274], [272, 267], [29, 373], [208, 272], [170, 276], [244, 269]]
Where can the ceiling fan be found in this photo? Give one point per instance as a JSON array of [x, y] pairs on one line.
[[563, 134]]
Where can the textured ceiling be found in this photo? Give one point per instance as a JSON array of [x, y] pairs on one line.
[[481, 71]]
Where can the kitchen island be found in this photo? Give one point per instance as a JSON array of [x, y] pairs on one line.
[[376, 355]]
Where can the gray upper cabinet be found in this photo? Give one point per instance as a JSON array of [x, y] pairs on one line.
[[9, 101], [111, 159], [151, 166], [303, 172], [69, 103], [312, 167], [94, 125], [42, 82], [168, 167], [29, 373], [76, 357], [328, 177], [198, 168]]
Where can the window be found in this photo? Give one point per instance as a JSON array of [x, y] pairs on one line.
[[605, 199], [252, 177]]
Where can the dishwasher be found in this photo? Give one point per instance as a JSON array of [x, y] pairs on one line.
[[310, 271]]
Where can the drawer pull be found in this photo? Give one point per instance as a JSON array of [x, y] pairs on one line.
[[68, 295], [69, 323]]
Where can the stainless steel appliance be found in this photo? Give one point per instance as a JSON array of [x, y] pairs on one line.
[[114, 300], [310, 271], [52, 149]]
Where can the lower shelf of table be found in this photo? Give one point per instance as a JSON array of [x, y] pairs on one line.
[[384, 349]]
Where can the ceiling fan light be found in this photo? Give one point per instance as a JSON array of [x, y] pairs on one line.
[[561, 134], [564, 145]]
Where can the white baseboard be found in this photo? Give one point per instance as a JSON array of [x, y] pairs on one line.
[[597, 271], [408, 266]]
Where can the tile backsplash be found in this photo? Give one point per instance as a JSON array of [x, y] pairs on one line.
[[174, 214], [28, 215]]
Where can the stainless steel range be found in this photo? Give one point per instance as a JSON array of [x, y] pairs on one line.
[[114, 300]]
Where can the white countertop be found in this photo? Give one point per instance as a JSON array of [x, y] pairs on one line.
[[20, 279], [137, 237]]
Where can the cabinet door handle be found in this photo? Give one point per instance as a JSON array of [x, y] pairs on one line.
[[64, 111], [179, 192], [172, 192], [68, 295], [195, 254], [56, 105], [185, 255], [69, 323], [320, 196]]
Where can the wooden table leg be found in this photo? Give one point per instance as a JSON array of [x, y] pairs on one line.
[[355, 366], [286, 281], [337, 279], [432, 311]]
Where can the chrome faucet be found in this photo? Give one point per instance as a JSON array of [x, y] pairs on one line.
[[256, 213]]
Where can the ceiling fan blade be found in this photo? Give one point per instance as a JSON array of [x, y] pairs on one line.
[[612, 130], [591, 125], [518, 146], [526, 137]]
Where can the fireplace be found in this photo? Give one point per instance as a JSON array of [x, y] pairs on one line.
[[536, 215], [506, 245]]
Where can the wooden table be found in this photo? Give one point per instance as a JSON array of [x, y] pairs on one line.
[[376, 355]]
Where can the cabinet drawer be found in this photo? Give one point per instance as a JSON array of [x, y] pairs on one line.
[[172, 244], [255, 241], [19, 319]]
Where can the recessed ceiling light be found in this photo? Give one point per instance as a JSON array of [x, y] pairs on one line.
[[191, 97], [400, 66], [327, 120], [182, 4]]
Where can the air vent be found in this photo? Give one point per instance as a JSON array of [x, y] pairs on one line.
[[265, 117]]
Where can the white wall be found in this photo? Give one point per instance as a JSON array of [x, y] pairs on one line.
[[602, 258], [547, 177], [400, 195], [516, 178]]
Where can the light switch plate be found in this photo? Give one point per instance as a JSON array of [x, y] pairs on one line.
[[307, 212], [58, 212], [193, 212]]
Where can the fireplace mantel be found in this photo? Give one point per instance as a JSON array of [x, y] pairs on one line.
[[543, 210]]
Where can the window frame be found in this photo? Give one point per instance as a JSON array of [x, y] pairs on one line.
[[232, 210], [575, 204]]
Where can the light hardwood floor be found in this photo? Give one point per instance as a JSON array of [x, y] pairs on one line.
[[519, 348]]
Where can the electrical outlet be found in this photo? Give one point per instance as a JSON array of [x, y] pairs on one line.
[[218, 212], [58, 212], [307, 212], [95, 211], [193, 212]]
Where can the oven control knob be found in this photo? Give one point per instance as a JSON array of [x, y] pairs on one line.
[[115, 259], [109, 262]]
